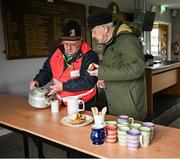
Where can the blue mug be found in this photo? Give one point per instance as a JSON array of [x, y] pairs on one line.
[[97, 134]]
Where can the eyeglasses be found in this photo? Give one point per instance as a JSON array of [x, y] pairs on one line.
[[67, 44]]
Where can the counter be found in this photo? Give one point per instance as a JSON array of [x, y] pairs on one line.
[[162, 76]]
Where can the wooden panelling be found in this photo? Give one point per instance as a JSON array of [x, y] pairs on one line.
[[163, 80], [162, 77], [32, 28]]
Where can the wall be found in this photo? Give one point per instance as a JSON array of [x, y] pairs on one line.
[[164, 18], [176, 33], [16, 74]]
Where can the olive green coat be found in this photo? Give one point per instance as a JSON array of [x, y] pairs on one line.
[[123, 69]]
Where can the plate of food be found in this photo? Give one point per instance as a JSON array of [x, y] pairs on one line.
[[77, 120]]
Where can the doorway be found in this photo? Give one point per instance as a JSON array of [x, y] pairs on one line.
[[160, 41]]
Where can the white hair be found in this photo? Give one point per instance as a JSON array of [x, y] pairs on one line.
[[111, 24]]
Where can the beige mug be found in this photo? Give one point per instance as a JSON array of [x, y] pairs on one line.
[[73, 105], [145, 138]]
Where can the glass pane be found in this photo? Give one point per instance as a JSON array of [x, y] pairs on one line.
[[154, 41]]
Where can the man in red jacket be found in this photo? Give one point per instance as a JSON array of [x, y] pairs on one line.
[[67, 67]]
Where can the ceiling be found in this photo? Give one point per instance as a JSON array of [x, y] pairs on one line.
[[171, 4]]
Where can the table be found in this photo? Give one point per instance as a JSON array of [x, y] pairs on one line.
[[163, 76], [15, 112]]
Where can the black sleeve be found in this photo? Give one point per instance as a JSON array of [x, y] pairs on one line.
[[85, 81], [45, 74]]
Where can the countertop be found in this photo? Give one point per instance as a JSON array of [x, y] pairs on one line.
[[163, 64]]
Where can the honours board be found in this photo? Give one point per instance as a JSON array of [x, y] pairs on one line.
[[33, 27]]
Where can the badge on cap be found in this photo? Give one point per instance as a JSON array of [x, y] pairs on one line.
[[72, 32]]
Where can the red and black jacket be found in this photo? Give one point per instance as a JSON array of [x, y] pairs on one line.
[[55, 67]]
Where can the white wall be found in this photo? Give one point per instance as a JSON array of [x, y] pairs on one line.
[[16, 74]]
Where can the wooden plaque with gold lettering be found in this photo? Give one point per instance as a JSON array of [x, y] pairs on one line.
[[33, 27]]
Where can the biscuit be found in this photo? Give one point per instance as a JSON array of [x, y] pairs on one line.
[[75, 122], [77, 118], [91, 67]]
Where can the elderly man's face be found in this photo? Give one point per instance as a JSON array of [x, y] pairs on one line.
[[100, 33], [71, 47]]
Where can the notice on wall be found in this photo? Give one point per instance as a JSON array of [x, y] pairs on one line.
[[34, 27]]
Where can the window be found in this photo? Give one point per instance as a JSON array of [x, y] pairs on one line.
[[159, 40], [154, 41]]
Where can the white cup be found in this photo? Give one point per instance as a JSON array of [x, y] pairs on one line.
[[73, 105], [54, 106], [99, 119]]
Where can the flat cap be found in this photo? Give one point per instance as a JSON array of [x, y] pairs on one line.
[[99, 18]]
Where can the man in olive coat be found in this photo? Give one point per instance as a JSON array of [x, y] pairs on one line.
[[122, 71]]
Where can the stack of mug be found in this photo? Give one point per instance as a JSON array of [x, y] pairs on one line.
[[133, 139], [151, 126], [111, 133], [123, 127], [145, 138], [125, 130], [122, 134], [134, 134]]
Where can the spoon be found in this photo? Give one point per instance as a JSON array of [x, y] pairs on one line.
[[104, 110]]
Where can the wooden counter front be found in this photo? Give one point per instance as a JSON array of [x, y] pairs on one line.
[[166, 77], [16, 112]]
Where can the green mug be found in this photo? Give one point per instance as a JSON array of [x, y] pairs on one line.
[[135, 126]]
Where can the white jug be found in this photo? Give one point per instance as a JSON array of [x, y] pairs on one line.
[[73, 105]]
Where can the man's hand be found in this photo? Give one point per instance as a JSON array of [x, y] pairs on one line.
[[94, 72], [100, 84], [56, 87], [33, 84]]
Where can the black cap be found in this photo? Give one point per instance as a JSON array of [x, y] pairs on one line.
[[99, 18], [72, 31]]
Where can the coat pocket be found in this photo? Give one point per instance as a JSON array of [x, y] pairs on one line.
[[120, 100]]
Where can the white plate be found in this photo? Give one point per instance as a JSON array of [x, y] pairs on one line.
[[88, 120]]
